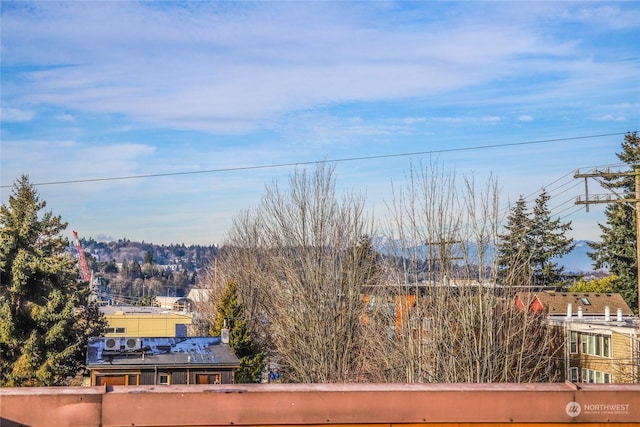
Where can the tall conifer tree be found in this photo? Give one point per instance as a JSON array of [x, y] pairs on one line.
[[547, 241], [526, 251], [45, 320], [229, 310], [513, 254]]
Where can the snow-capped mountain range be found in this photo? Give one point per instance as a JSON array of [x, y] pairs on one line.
[[576, 261]]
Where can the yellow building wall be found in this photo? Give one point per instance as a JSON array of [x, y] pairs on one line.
[[146, 324], [622, 365], [623, 353]]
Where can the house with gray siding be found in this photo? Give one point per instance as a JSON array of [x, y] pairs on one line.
[[160, 361]]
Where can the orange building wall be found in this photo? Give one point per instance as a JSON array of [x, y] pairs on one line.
[[402, 405]]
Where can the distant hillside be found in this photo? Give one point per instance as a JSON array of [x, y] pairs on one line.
[[576, 261], [194, 257], [127, 272], [182, 257]]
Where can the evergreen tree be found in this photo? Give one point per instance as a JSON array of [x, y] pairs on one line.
[[513, 255], [251, 358], [125, 270], [148, 258], [617, 250], [531, 242], [547, 240], [135, 270], [45, 318]]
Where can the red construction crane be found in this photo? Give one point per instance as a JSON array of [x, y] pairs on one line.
[[83, 262]]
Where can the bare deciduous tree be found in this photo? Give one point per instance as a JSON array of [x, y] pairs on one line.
[[331, 309], [452, 323], [301, 260]]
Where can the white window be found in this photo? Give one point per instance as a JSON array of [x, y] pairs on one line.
[[573, 374], [596, 345], [592, 376], [606, 346], [573, 342], [164, 379]]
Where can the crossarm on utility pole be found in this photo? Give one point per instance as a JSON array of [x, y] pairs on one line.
[[596, 199]]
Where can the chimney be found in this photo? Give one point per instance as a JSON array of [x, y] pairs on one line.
[[607, 313], [569, 311], [619, 315], [224, 333], [580, 312]]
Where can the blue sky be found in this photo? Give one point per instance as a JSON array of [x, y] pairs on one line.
[[112, 89]]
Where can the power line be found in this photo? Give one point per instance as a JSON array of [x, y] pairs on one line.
[[556, 207], [551, 190], [567, 189], [573, 212], [346, 159]]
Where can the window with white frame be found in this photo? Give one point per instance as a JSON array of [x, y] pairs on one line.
[[573, 375], [573, 342], [596, 344], [164, 378], [593, 376]]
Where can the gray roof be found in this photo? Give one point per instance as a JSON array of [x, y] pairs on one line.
[[169, 351]]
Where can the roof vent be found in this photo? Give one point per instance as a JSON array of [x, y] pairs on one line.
[[224, 333]]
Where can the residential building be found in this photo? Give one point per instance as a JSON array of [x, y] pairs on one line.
[[160, 361], [601, 334], [173, 303], [136, 321], [600, 350]]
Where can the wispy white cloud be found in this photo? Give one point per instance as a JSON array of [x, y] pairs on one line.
[[242, 67], [123, 88], [612, 118], [604, 16], [467, 119], [73, 160], [65, 117], [16, 115]]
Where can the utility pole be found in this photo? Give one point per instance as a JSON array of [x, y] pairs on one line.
[[595, 199], [445, 256]]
